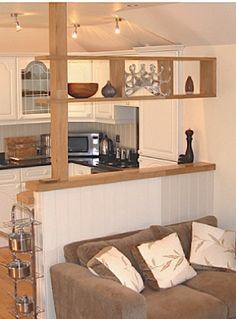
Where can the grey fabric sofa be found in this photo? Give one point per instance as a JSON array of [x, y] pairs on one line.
[[78, 294]]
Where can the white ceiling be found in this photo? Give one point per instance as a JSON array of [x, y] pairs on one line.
[[143, 23]]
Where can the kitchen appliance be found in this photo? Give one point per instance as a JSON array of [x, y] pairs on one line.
[[106, 147], [83, 144], [45, 144]]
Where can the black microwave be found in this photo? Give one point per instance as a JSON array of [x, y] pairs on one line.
[[83, 144]]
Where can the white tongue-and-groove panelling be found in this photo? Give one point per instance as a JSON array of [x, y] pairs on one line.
[[127, 132]]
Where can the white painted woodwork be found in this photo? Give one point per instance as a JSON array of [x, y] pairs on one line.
[[152, 162], [159, 131], [7, 198], [8, 110], [101, 210], [34, 173], [22, 63], [77, 169], [9, 187], [12, 181], [80, 71], [187, 196], [113, 114], [10, 176]]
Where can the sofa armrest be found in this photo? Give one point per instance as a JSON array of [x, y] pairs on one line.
[[78, 294]]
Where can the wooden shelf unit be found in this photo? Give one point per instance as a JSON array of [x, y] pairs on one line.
[[117, 78]]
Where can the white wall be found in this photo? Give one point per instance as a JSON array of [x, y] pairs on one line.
[[214, 123]]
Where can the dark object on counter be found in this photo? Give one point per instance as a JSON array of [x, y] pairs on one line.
[[188, 156], [82, 90], [108, 90], [2, 157], [189, 86], [106, 147]]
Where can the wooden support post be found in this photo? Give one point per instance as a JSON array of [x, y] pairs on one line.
[[58, 88]]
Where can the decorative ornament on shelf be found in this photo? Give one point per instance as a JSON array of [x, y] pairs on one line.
[[189, 86], [151, 80], [188, 156], [108, 90]]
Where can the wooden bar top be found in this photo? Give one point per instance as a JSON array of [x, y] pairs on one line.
[[120, 176]]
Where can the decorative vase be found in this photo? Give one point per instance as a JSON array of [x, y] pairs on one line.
[[189, 86], [108, 90]]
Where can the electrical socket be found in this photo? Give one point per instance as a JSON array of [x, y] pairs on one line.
[[117, 138]]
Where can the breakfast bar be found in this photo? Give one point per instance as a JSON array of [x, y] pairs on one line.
[[97, 205]]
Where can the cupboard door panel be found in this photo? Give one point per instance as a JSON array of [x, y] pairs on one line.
[[8, 194], [8, 109], [80, 71], [159, 129]]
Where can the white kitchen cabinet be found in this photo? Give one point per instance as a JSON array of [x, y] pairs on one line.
[[36, 172], [9, 186], [159, 129], [106, 112], [32, 83], [78, 169], [8, 109], [80, 71], [145, 162]]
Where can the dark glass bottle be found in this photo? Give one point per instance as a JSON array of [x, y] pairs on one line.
[[189, 86]]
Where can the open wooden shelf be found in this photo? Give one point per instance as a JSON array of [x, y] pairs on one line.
[[207, 66], [122, 58], [114, 99]]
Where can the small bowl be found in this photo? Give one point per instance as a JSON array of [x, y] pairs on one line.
[[82, 90]]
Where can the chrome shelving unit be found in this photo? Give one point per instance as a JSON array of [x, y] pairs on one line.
[[25, 220]]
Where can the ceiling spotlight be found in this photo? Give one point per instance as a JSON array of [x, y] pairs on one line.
[[17, 23], [117, 28], [75, 31]]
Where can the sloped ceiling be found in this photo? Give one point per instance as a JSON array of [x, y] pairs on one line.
[[189, 23], [142, 24]]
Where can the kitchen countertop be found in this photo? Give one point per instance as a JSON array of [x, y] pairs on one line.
[[98, 166], [119, 176]]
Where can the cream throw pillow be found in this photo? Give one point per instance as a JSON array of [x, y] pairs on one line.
[[166, 260], [213, 247], [110, 263]]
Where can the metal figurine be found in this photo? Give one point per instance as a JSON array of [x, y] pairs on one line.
[[151, 81]]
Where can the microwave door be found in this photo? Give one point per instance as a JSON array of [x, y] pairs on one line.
[[78, 145]]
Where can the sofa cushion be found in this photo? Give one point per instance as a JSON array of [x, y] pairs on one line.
[[212, 247], [70, 250], [165, 262], [221, 285], [110, 263], [86, 251], [182, 302], [184, 231]]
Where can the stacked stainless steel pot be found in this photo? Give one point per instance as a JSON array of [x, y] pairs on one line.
[[20, 241]]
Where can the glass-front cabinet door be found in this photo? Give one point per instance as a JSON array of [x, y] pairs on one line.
[[33, 83]]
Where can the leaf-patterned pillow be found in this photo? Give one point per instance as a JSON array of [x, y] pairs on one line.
[[110, 263], [212, 247], [163, 262]]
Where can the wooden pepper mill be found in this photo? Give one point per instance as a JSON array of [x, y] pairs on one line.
[[188, 156]]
